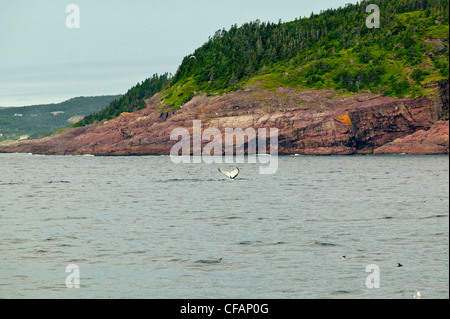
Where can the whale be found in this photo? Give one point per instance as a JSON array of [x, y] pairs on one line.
[[230, 174]]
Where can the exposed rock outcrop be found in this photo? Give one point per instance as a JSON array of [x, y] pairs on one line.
[[309, 122], [433, 141]]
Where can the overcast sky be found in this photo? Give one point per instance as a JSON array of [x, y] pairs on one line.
[[118, 43]]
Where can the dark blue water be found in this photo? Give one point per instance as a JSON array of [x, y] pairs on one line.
[[143, 227]]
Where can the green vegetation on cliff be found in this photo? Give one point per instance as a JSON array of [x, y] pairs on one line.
[[132, 101], [406, 56], [333, 49]]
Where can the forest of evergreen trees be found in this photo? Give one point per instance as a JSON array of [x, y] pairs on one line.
[[38, 121], [132, 101], [332, 49], [241, 52]]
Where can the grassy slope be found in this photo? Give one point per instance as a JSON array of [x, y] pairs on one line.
[[399, 72], [406, 57]]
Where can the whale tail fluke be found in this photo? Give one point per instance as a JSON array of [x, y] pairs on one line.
[[230, 174]]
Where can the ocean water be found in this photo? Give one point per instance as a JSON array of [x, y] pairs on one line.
[[144, 227]]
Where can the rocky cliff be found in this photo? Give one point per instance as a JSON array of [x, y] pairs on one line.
[[309, 122]]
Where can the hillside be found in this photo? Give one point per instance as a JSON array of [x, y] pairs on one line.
[[325, 124], [133, 100], [301, 77], [406, 57], [38, 121], [332, 50]]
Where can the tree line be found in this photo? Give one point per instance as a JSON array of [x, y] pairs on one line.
[[332, 49]]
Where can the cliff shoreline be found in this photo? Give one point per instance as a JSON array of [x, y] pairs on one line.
[[314, 122]]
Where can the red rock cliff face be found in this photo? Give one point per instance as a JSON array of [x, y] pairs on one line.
[[309, 122]]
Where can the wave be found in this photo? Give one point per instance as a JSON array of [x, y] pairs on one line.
[[324, 244]]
